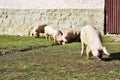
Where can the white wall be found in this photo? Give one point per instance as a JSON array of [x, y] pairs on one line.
[[52, 4]]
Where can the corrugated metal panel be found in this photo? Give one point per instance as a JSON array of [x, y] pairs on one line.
[[112, 8]]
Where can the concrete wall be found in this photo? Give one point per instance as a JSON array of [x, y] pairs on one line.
[[20, 19], [52, 4]]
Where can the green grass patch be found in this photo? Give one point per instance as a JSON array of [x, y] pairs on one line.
[[41, 59], [22, 43]]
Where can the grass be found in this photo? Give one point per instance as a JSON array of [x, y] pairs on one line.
[[18, 43], [41, 59]]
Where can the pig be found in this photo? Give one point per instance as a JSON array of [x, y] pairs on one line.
[[55, 33], [70, 36], [92, 39], [37, 30]]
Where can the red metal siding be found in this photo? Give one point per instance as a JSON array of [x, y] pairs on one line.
[[112, 8]]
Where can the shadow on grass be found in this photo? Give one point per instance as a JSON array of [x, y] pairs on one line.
[[4, 52], [31, 48], [113, 56], [56, 44]]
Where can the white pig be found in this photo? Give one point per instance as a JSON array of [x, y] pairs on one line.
[[53, 32], [37, 30], [92, 38]]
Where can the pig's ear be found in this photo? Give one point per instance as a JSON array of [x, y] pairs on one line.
[[61, 33], [105, 51]]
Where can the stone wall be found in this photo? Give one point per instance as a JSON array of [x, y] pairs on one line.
[[18, 17], [20, 22]]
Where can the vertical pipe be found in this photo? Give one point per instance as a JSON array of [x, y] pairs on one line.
[[106, 15], [111, 8], [118, 16], [118, 2], [112, 18], [114, 11], [109, 17]]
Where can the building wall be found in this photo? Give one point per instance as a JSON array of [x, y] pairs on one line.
[[20, 16]]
